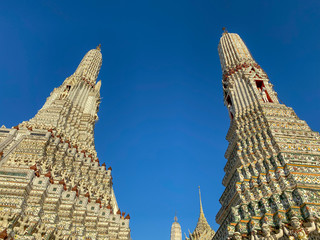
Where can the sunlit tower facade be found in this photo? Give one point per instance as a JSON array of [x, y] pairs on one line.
[[52, 185], [272, 174]]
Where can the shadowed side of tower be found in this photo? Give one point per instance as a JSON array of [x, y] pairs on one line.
[[52, 185], [272, 173]]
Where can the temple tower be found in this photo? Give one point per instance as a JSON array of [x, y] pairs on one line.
[[176, 233], [52, 185], [272, 174], [203, 231]]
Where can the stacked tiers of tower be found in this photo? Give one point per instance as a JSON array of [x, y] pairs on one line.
[[272, 176], [51, 182]]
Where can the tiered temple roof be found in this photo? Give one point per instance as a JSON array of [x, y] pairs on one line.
[[203, 231]]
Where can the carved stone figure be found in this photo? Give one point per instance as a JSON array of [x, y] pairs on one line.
[[23, 223], [6, 218], [58, 234], [317, 222], [264, 94], [72, 237], [298, 231], [266, 233], [236, 236], [230, 107], [41, 231], [64, 94]]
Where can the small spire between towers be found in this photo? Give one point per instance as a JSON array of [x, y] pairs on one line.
[[203, 226], [201, 209]]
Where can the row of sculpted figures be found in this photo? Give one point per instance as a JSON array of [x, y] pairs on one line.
[[296, 229], [16, 226]]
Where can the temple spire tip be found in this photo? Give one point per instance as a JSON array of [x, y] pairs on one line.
[[201, 209], [99, 47], [224, 30]]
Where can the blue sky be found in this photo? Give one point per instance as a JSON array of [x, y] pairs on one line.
[[162, 121]]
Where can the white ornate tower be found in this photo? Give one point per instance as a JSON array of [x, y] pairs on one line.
[[272, 176], [72, 108], [52, 185], [176, 233]]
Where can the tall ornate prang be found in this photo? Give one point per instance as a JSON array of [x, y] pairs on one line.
[[272, 174], [52, 185]]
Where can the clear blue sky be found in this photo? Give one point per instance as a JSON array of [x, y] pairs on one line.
[[162, 121]]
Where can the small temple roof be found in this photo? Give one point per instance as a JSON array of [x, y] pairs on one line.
[[202, 221], [203, 227]]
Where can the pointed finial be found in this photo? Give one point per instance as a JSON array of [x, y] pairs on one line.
[[99, 47], [175, 217], [224, 30], [98, 86], [201, 210]]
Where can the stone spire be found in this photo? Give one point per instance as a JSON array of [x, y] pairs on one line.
[[239, 94], [202, 224], [71, 109], [233, 51], [201, 209], [52, 185], [89, 67], [176, 233], [203, 230], [270, 153]]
